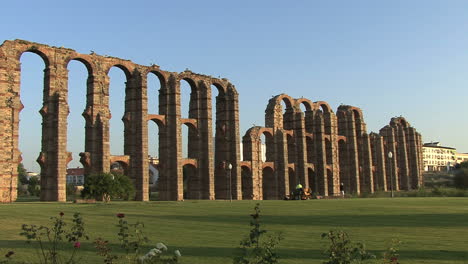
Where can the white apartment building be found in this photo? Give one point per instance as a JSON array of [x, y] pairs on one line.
[[437, 157]]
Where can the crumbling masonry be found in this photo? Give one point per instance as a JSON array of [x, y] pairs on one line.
[[316, 147]]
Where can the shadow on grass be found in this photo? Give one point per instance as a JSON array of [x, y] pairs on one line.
[[224, 252], [416, 220]]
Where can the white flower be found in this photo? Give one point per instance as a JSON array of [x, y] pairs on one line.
[[161, 246], [177, 253], [142, 259], [154, 252]]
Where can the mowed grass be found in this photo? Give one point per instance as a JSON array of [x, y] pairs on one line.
[[432, 230]]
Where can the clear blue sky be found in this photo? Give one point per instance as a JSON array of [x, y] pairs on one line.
[[389, 58]]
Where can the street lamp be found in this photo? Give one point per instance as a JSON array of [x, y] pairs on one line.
[[390, 156], [229, 167]]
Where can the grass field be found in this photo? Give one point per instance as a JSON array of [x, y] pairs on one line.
[[432, 230]]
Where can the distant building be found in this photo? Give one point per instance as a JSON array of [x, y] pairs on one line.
[[438, 158], [461, 157], [75, 176]]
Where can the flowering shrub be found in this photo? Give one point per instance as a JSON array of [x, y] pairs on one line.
[[47, 239], [343, 251], [255, 249], [391, 256], [132, 240]]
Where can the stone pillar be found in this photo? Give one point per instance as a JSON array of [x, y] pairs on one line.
[[10, 107], [171, 178], [136, 133], [205, 135], [402, 158], [300, 149], [252, 153], [234, 141], [367, 183], [388, 135], [54, 155], [378, 160], [320, 160], [347, 128], [96, 157]]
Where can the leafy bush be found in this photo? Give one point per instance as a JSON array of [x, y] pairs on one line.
[[104, 186], [461, 178], [34, 187], [343, 251], [255, 249]]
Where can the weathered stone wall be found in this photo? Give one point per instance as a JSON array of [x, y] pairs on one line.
[[313, 147]]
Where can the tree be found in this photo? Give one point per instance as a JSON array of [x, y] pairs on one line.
[[104, 186], [22, 174], [34, 187], [461, 178]]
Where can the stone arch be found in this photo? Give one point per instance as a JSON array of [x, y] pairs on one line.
[[125, 68], [120, 166], [305, 102], [324, 106], [269, 144], [87, 62], [38, 50], [221, 88]]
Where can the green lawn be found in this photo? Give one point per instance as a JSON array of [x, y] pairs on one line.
[[433, 230]]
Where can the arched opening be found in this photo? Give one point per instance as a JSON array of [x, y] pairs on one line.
[[323, 107], [288, 117], [120, 167], [358, 122], [117, 85], [153, 177], [154, 84], [189, 136], [247, 183], [344, 175], [188, 98], [218, 107], [269, 147], [269, 184], [291, 149], [292, 179], [78, 76], [191, 182], [313, 181], [188, 109], [308, 116], [32, 80]]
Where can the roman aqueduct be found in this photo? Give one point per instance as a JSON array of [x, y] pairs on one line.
[[315, 147]]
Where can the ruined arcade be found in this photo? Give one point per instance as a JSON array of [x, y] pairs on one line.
[[315, 147]]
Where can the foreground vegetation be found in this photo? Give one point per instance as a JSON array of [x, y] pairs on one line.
[[432, 230]]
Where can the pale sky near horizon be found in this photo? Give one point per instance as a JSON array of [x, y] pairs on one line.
[[389, 58]]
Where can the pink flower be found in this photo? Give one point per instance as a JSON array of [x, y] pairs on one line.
[[77, 245], [120, 215]]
